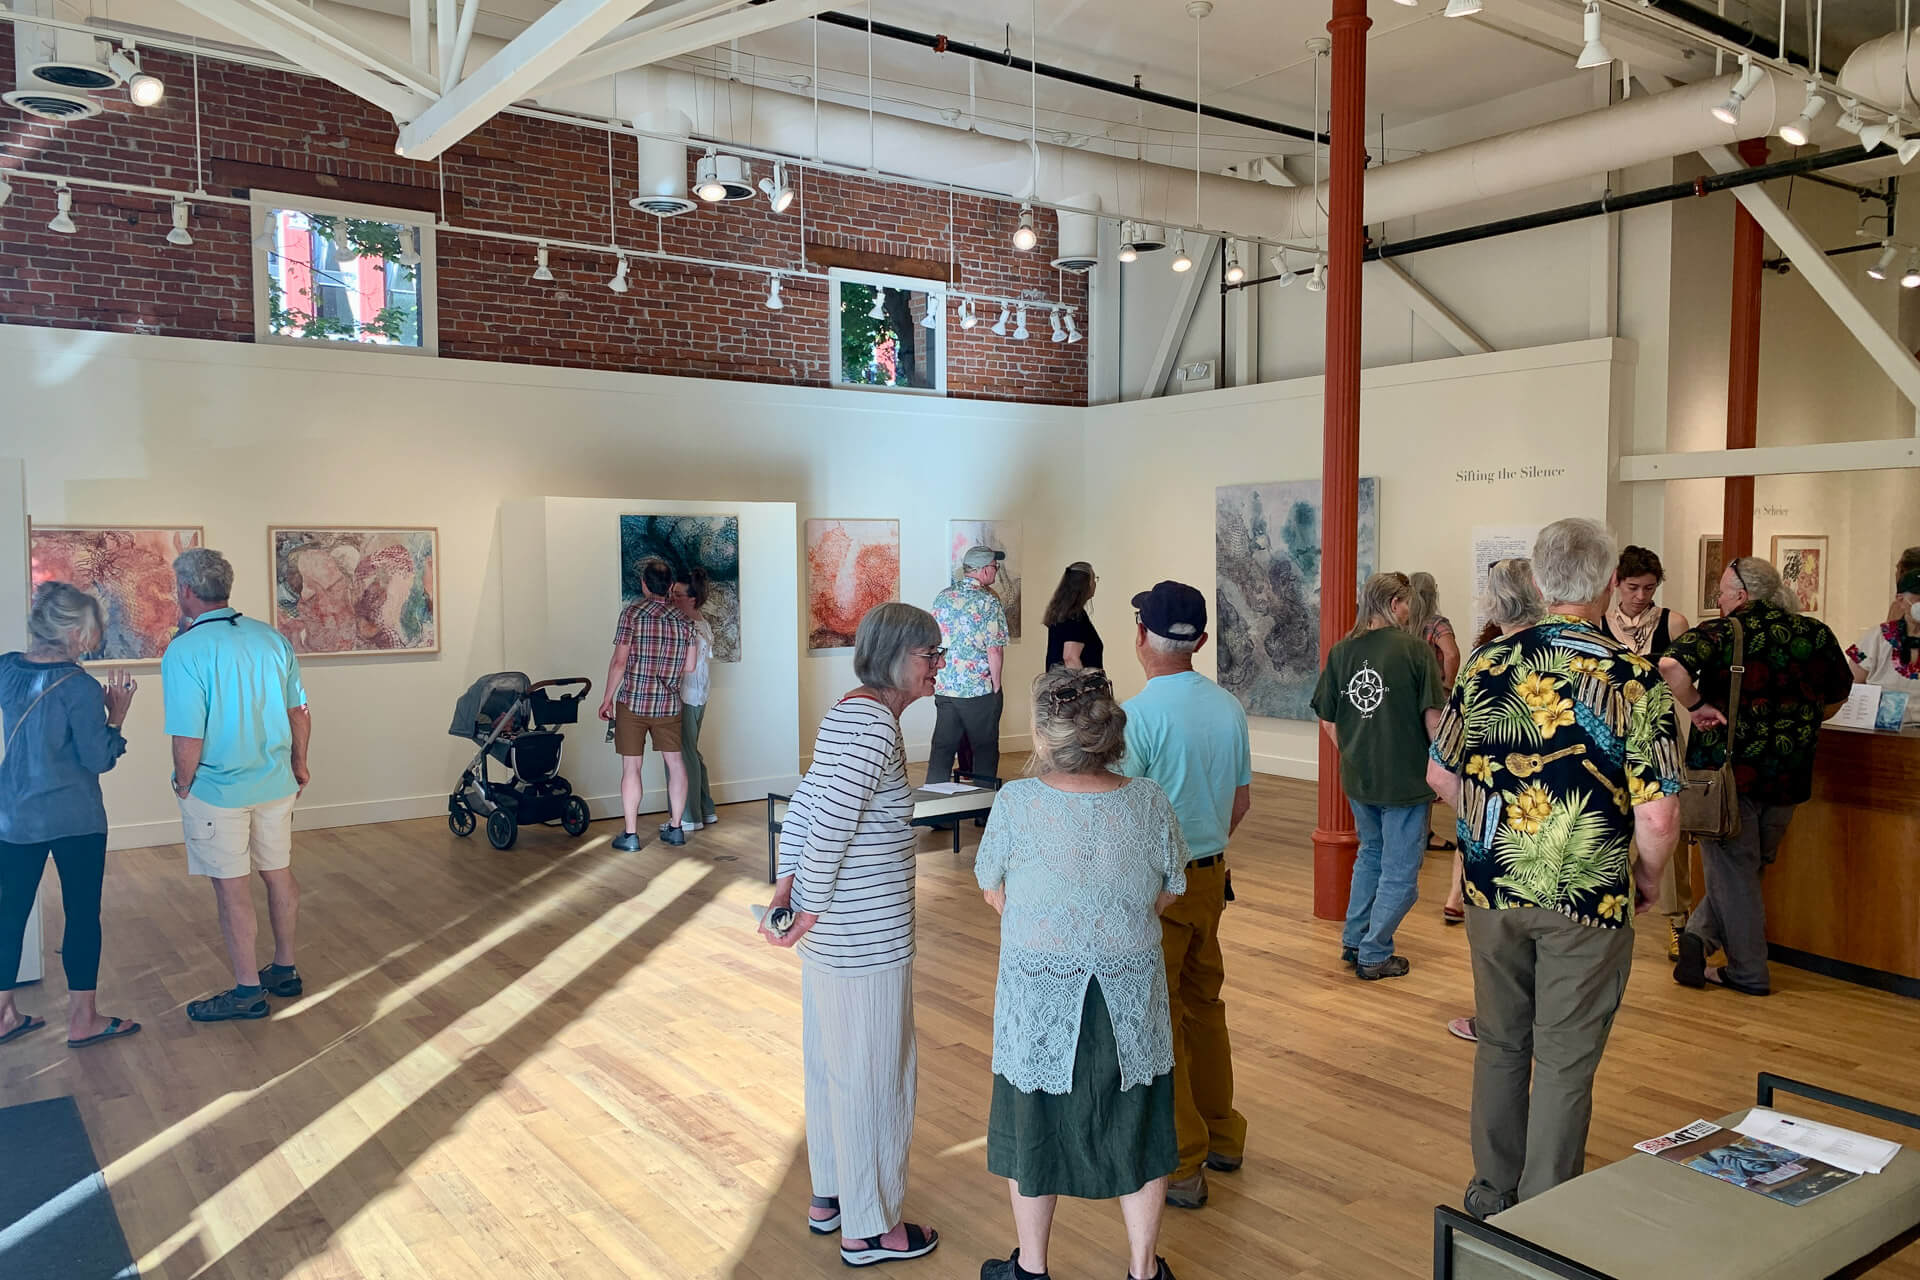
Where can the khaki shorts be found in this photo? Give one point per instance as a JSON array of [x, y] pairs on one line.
[[228, 844], [631, 731]]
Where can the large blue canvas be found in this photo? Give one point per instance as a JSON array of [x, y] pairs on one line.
[[1267, 546], [685, 542]]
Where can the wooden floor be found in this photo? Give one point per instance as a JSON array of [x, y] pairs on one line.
[[567, 1062]]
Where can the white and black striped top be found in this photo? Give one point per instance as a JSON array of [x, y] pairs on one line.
[[846, 841]]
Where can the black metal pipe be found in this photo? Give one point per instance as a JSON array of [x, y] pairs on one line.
[[1782, 264], [1732, 32], [1701, 186], [1007, 58]]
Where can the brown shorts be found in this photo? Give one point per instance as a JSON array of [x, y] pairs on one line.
[[631, 731]]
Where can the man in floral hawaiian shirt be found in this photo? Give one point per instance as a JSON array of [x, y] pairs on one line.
[[1558, 752], [967, 694]]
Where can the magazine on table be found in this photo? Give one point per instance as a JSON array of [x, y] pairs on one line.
[[1774, 1172]]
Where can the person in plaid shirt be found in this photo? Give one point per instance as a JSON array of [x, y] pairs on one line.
[[653, 651]]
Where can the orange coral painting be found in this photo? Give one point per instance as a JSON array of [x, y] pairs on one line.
[[129, 570], [852, 565]]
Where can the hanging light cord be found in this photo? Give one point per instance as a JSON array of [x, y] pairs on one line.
[[613, 235], [1196, 121], [199, 150], [1033, 94]]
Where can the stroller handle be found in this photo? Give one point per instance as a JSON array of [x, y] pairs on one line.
[[586, 687]]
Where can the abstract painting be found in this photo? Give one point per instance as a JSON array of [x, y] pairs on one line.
[[1802, 562], [128, 569], [1713, 563], [852, 565], [340, 590], [689, 542], [1001, 535], [1267, 543]]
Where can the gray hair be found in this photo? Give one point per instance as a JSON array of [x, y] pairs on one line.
[[1376, 601], [885, 642], [205, 572], [63, 612], [1423, 602], [1573, 560], [1512, 599], [1759, 579], [1077, 726], [1168, 646]]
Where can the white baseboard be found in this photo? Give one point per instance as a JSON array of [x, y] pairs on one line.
[[1287, 766]]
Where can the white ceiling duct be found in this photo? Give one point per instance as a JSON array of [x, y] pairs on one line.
[[663, 166], [54, 69], [1079, 235]]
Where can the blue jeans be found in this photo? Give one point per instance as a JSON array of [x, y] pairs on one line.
[[1386, 875]]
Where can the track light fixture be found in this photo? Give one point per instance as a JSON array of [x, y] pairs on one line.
[[542, 273], [6, 190], [1025, 236], [1073, 329], [1317, 282], [967, 318], [1872, 135], [936, 316], [1910, 279], [619, 282], [706, 179], [879, 309], [1460, 9], [1235, 272], [1884, 263], [1059, 330], [1000, 325], [1594, 53], [1181, 262], [143, 90], [1129, 232], [180, 235], [410, 254], [779, 194], [63, 217], [1728, 112], [1849, 121], [1907, 149], [773, 294], [1796, 132], [1284, 267], [1020, 324]]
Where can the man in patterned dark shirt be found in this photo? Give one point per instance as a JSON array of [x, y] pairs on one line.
[[1796, 676]]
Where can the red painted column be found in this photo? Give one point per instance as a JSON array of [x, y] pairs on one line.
[[1743, 362], [1333, 839]]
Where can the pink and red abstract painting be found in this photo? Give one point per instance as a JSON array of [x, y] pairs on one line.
[[852, 565], [129, 570], [353, 590]]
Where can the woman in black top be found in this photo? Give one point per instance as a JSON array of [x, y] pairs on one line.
[[1071, 638], [1633, 618]]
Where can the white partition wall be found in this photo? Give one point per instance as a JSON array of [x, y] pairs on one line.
[[13, 633]]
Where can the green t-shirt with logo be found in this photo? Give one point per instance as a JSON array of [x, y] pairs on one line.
[[1376, 690]]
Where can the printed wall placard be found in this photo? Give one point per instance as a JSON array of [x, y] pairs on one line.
[[852, 565], [128, 569], [341, 589]]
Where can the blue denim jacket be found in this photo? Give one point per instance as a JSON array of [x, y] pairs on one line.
[[50, 778]]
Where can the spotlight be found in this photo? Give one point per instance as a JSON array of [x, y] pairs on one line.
[[936, 312], [1910, 279], [967, 318], [1024, 235], [1059, 331], [1796, 132], [619, 282], [6, 190], [1317, 282], [1284, 267], [778, 193], [1181, 262], [410, 255], [1020, 324], [266, 239], [879, 309], [143, 90], [63, 220], [1872, 135], [542, 273], [1460, 9], [706, 179], [1128, 231], [1728, 112], [1594, 54], [1849, 121], [1884, 263], [1073, 329], [1000, 325], [179, 235], [773, 295], [1128, 253], [1235, 272], [1907, 149]]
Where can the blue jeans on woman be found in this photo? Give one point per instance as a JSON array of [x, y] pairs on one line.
[[1386, 875]]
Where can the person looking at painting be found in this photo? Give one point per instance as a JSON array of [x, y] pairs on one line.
[[1072, 640], [237, 712], [653, 653], [967, 696], [62, 731], [689, 596]]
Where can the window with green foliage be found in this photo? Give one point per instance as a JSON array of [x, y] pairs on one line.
[[327, 272], [882, 337]]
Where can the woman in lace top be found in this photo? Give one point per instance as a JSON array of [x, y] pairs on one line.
[[1079, 862]]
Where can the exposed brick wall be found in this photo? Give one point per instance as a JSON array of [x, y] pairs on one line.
[[528, 176]]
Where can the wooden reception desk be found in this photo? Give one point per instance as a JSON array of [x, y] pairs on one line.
[[1844, 896]]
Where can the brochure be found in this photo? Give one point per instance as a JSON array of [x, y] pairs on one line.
[[1774, 1172]]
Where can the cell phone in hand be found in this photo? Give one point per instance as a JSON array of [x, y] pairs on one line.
[[777, 920]]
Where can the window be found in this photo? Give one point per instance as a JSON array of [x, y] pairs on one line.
[[340, 273], [880, 338]]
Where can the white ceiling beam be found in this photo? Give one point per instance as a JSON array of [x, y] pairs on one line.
[[270, 32], [555, 38], [1438, 316], [419, 32], [658, 46], [344, 40], [1897, 453]]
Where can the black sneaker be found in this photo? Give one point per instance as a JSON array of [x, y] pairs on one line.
[[1008, 1269], [626, 842], [1350, 956], [675, 836], [1691, 969], [230, 1006], [1161, 1272], [1391, 967], [281, 980]]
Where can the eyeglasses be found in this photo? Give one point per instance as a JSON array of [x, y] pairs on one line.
[[931, 655], [1059, 700]]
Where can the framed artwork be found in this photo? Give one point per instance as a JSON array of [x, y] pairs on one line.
[[1001, 535], [1713, 563], [1802, 562], [687, 542], [340, 589], [128, 569], [852, 565]]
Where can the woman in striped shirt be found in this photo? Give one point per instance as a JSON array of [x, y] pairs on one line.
[[846, 872]]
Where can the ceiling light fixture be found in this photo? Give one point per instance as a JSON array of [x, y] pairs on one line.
[[773, 295], [1460, 9], [1059, 330], [1000, 325], [1884, 263], [1128, 253], [1594, 54], [542, 273], [180, 235], [619, 282], [706, 179], [1317, 282], [1796, 132], [1181, 262], [1872, 135], [1907, 149], [1073, 329], [410, 255], [1024, 235], [1284, 267], [1849, 121], [779, 194], [62, 218], [1020, 324], [936, 315], [1235, 272], [1911, 278], [143, 90], [1728, 112]]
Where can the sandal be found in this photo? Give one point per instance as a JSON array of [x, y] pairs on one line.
[[824, 1226], [229, 1006], [1454, 915], [870, 1252], [282, 980], [1436, 845], [28, 1023], [116, 1027]]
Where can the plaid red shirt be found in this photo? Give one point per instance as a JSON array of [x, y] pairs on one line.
[[659, 636]]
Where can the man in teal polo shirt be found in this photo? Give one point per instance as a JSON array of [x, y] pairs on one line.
[[237, 713], [1189, 735]]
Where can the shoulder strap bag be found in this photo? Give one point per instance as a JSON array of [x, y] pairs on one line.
[[1709, 803], [14, 732]]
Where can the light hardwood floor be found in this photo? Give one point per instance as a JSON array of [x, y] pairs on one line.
[[566, 1062]]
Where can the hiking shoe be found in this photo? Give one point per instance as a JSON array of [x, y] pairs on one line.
[[1224, 1164], [281, 980], [677, 836], [1691, 969], [229, 1006], [1673, 941], [1188, 1193], [1008, 1269], [1391, 967], [626, 842]]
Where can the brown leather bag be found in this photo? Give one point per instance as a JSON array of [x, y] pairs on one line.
[[1709, 802]]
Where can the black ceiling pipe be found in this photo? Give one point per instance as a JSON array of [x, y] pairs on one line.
[[1732, 32]]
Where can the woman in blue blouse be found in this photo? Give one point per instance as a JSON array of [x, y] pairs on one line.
[[62, 733], [1079, 862]]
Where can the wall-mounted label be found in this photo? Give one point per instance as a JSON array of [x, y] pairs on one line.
[[1770, 510], [1497, 474]]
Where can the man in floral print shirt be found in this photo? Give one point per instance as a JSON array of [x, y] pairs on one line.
[[967, 693], [1558, 752]]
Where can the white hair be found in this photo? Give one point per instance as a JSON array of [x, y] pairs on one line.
[[1573, 560], [1759, 579], [206, 573], [1170, 647]]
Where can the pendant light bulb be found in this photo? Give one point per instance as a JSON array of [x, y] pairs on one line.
[[619, 282], [1000, 325], [1911, 278], [1728, 112], [1025, 236], [1796, 132], [180, 235], [1235, 272], [1888, 252], [706, 179], [773, 295], [1020, 324], [1594, 53], [63, 216], [542, 273], [1317, 282], [1181, 262], [1129, 232]]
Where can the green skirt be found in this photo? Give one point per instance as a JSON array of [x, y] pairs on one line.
[[1094, 1142]]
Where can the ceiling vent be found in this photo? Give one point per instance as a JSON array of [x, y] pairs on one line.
[[663, 166], [1079, 234], [54, 69]]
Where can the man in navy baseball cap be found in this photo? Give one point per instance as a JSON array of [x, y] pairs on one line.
[[1174, 610]]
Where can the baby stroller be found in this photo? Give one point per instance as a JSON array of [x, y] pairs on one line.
[[511, 720]]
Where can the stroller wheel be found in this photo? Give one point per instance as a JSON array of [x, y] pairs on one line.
[[460, 819], [502, 829], [574, 817]]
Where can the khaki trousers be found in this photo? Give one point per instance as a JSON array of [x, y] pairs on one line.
[[1203, 1112]]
